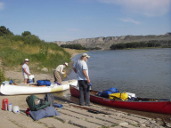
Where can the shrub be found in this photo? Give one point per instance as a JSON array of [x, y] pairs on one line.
[[118, 46], [73, 46], [5, 31]]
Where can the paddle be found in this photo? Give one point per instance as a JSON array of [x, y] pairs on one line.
[[90, 109], [71, 103]]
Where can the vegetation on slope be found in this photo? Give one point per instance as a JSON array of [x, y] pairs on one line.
[[78, 47], [15, 48]]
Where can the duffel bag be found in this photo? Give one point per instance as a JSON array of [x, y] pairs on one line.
[[43, 82]]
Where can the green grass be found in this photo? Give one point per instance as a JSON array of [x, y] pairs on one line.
[[13, 50]]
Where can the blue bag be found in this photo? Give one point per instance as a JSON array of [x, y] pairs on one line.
[[113, 90], [43, 82], [108, 91]]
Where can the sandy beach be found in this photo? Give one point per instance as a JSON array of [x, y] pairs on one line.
[[74, 116]]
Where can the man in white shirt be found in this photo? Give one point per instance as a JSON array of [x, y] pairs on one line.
[[81, 68], [26, 71], [58, 72]]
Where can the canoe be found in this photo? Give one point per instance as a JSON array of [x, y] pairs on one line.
[[8, 89], [141, 104]]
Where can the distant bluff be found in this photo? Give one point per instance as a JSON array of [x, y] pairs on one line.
[[106, 42]]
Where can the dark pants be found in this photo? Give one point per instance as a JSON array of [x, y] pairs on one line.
[[84, 92]]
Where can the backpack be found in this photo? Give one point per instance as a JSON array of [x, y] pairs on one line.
[[36, 103]]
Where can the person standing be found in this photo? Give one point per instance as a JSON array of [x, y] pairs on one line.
[[58, 72], [81, 69], [26, 71]]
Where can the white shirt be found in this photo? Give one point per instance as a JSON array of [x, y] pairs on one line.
[[60, 69], [26, 67], [81, 65]]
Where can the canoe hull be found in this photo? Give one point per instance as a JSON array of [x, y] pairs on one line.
[[150, 106], [17, 89]]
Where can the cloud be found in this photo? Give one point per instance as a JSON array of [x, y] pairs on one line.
[[145, 7], [130, 20], [1, 5]]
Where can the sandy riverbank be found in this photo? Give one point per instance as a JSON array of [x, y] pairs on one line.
[[74, 116]]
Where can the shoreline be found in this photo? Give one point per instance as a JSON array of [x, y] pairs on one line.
[[72, 120], [79, 116], [74, 116]]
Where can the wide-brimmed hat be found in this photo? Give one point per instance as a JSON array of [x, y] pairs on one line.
[[66, 64], [85, 55], [26, 60]]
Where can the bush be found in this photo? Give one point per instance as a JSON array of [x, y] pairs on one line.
[[118, 46], [5, 31], [26, 33], [31, 39], [73, 46]]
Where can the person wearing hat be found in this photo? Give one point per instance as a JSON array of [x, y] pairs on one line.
[[81, 69], [58, 72], [26, 71]]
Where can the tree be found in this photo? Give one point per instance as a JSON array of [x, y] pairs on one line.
[[5, 31], [28, 38], [26, 33], [73, 46]]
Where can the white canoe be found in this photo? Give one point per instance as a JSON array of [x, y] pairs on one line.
[[7, 89]]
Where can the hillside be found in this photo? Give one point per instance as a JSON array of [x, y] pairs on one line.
[[43, 56], [106, 42]]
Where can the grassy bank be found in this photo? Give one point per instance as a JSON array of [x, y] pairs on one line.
[[41, 55], [49, 55], [15, 48]]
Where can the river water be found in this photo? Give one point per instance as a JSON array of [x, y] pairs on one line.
[[145, 72]]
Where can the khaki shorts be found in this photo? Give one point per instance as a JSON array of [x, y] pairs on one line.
[[25, 76], [57, 76]]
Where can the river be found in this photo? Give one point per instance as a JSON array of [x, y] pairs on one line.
[[145, 72]]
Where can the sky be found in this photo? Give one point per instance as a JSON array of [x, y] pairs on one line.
[[67, 20]]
